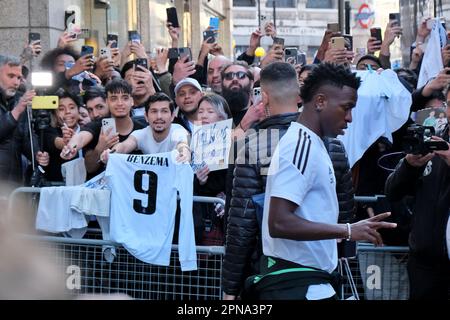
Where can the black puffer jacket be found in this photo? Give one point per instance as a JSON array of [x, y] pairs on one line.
[[432, 201], [243, 239], [14, 141]]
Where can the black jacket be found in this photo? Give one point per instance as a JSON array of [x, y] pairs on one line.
[[431, 206], [243, 237], [14, 141]]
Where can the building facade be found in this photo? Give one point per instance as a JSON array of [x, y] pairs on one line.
[[302, 23], [100, 17]]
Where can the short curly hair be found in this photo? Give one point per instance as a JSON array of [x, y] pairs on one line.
[[328, 74], [48, 61]]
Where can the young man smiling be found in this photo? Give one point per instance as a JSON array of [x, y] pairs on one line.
[[160, 136]]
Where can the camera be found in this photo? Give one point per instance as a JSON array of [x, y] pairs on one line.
[[418, 140]]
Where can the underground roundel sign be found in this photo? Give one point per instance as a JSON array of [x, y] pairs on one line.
[[365, 16]]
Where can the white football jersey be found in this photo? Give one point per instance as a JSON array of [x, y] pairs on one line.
[[143, 207]]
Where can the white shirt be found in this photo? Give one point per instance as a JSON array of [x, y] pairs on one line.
[[148, 145], [301, 171], [383, 106], [143, 206]]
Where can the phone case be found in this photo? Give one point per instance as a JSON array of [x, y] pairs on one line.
[[209, 34], [185, 52], [105, 53], [172, 17], [291, 55], [214, 23], [109, 123], [338, 43], [134, 36], [45, 103], [85, 50]]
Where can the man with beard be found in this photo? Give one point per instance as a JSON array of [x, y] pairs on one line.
[[237, 83], [160, 136], [188, 93], [214, 75], [14, 133]]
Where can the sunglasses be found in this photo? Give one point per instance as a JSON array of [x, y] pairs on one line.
[[231, 75]]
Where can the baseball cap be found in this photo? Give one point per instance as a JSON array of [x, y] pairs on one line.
[[187, 81]]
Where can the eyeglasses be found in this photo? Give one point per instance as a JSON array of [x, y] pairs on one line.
[[231, 75]]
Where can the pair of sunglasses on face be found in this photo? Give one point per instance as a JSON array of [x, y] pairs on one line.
[[239, 75]]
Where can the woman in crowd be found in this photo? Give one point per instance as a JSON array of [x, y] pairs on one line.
[[208, 218]]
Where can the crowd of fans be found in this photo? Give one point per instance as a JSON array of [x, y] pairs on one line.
[[155, 110]]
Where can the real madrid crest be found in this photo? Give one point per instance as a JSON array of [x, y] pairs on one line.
[[428, 169]]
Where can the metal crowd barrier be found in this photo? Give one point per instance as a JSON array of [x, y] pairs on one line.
[[126, 274], [376, 273]]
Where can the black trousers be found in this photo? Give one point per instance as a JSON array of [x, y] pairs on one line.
[[428, 280]]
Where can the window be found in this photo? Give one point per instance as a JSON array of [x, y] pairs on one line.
[[319, 4], [282, 3], [244, 3]]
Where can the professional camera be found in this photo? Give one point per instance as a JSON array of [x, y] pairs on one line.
[[418, 140]]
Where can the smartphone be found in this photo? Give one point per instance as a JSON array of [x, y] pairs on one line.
[[348, 42], [395, 17], [209, 34], [141, 62], [334, 27], [134, 36], [338, 43], [87, 50], [214, 23], [173, 53], [279, 41], [45, 103], [301, 58], [69, 18], [185, 52], [105, 53], [109, 124], [257, 92], [34, 37], [291, 55], [172, 17], [114, 38], [376, 33]]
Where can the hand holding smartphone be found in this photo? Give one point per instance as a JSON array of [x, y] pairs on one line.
[[114, 39], [337, 43], [141, 62], [106, 53], [87, 50], [376, 33], [395, 18], [34, 37], [109, 124], [256, 96], [185, 52], [172, 17], [134, 36], [209, 35]]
